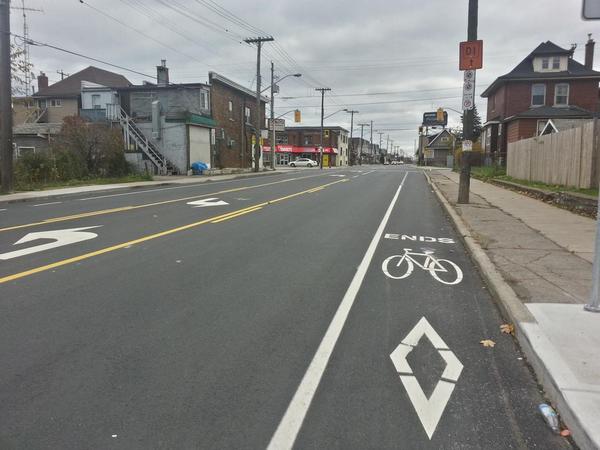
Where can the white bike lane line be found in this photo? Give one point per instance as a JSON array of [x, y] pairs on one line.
[[289, 426]]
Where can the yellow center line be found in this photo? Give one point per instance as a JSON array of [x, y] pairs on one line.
[[215, 219], [145, 205]]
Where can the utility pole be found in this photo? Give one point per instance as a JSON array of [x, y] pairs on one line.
[[62, 74], [258, 41], [362, 127], [465, 163], [6, 148], [322, 90], [371, 140], [351, 156], [380, 133], [272, 116]]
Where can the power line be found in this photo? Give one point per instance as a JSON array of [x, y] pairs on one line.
[[378, 103]]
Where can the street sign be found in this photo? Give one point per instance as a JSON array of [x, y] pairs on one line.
[[471, 55], [591, 10], [279, 125], [468, 100], [467, 146], [430, 119]]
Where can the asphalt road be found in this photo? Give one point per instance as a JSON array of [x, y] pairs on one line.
[[279, 312]]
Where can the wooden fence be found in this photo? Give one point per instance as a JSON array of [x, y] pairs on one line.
[[569, 158]]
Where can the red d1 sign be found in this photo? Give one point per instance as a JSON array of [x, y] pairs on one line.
[[471, 55]]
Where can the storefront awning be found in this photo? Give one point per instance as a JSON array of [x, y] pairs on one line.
[[298, 149]]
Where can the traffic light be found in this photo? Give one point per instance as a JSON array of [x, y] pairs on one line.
[[439, 115], [297, 116]]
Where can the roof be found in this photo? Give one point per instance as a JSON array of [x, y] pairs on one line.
[[524, 70], [71, 86], [434, 137], [154, 87], [37, 128], [550, 112], [316, 128], [232, 84], [562, 124]]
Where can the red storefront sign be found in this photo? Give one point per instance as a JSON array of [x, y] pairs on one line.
[[298, 149]]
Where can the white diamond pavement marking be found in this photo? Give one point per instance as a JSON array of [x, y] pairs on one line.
[[430, 409]]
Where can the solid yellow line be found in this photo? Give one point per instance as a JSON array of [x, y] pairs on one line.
[[102, 251], [232, 216], [145, 205]]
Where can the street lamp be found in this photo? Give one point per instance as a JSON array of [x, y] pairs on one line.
[[273, 109], [332, 114]]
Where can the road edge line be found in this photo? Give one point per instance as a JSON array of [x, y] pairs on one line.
[[288, 428], [512, 308]]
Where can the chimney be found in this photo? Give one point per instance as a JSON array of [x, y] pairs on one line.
[[162, 73], [589, 52], [42, 81]]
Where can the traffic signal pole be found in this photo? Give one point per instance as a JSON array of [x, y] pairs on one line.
[[465, 163]]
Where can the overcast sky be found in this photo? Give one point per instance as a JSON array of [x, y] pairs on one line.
[[390, 59]]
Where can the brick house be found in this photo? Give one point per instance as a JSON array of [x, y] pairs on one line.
[[547, 84], [233, 109], [306, 142]]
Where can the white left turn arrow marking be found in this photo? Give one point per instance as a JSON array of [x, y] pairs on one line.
[[61, 237], [207, 202], [430, 409]]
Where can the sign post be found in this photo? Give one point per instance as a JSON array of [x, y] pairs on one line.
[[471, 59]]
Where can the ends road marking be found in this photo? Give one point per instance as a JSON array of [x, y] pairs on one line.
[[290, 424]]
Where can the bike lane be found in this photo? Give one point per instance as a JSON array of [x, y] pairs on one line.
[[409, 370]]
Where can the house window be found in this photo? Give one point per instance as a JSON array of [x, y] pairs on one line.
[[556, 62], [561, 94], [96, 101], [204, 100], [540, 126], [230, 108], [492, 102], [545, 63], [538, 94], [326, 133], [247, 114], [22, 151], [307, 140], [56, 103]]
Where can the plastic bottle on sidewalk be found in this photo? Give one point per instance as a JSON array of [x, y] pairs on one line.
[[549, 416]]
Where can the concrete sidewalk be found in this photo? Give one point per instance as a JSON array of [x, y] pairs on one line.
[[537, 261], [158, 181]]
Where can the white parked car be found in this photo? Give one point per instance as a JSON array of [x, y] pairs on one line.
[[303, 162]]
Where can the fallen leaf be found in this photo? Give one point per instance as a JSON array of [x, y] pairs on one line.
[[487, 343], [507, 328], [565, 433]]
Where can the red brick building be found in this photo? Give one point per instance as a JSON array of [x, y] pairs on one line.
[[547, 84], [233, 109]]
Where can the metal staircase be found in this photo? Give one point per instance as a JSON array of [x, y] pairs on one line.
[[135, 139]]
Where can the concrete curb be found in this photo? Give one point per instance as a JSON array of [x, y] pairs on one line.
[[133, 187], [517, 313]]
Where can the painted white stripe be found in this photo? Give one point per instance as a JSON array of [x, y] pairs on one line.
[[368, 172], [3, 209], [290, 424], [45, 204]]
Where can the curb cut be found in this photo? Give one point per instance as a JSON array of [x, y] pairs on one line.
[[149, 186], [518, 314]]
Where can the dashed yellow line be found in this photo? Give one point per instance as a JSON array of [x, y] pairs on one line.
[[145, 205], [215, 220]]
